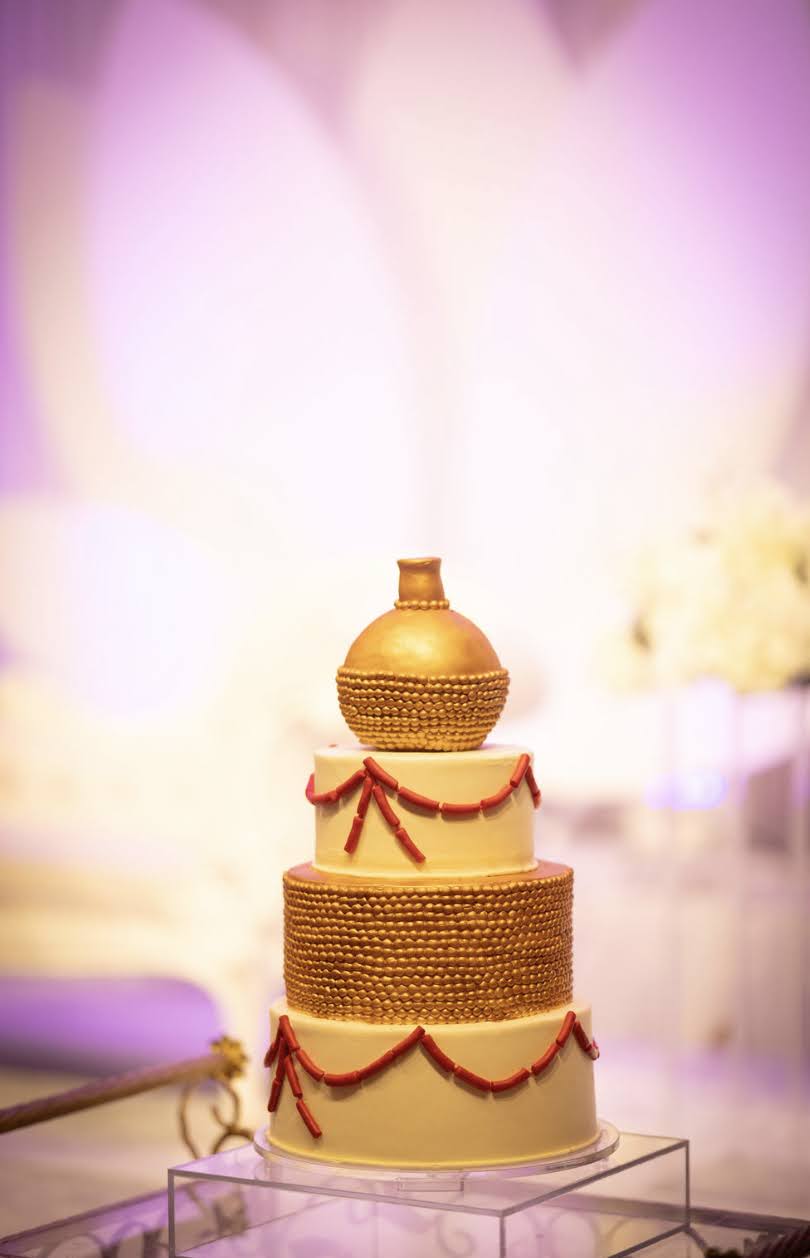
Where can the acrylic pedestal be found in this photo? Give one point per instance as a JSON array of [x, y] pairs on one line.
[[253, 1203]]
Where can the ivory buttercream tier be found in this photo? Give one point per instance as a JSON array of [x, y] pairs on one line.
[[498, 840], [462, 950], [414, 1111]]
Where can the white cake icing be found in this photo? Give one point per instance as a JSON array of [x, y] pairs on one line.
[[500, 841], [414, 1115]]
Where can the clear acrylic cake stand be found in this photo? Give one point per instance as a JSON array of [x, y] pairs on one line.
[[621, 1194]]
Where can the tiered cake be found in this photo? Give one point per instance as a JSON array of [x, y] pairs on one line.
[[429, 1018]]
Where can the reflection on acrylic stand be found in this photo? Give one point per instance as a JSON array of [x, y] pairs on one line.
[[617, 1196]]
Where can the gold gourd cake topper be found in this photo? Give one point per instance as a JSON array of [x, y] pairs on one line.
[[421, 677]]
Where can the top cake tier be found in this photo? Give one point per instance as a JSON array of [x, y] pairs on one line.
[[421, 677], [395, 815]]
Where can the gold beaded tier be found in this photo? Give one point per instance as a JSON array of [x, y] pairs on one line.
[[430, 1019], [482, 950]]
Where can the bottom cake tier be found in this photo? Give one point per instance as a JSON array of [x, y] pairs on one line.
[[432, 1096]]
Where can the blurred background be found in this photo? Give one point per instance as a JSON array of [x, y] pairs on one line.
[[291, 288]]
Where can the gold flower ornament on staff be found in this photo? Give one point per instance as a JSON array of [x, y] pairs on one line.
[[422, 677]]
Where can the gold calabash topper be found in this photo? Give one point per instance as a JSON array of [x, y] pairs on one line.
[[421, 677]]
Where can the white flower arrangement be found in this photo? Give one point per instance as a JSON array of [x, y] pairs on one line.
[[729, 600]]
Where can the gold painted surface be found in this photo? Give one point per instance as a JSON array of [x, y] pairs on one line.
[[422, 677], [470, 951], [452, 713], [433, 643], [420, 580]]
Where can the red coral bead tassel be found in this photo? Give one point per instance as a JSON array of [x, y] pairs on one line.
[[283, 1051], [365, 797], [312, 1126], [354, 835], [292, 1076], [408, 844], [381, 800], [275, 1093], [270, 1055], [285, 1027]]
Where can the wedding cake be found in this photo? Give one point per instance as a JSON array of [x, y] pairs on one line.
[[429, 1019]]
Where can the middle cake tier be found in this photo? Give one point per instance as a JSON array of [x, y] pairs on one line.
[[471, 950]]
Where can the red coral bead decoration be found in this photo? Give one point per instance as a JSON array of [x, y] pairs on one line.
[[306, 1061], [440, 1057], [407, 842], [460, 810], [354, 835], [270, 1055], [533, 787], [285, 1067], [292, 1075], [566, 1029], [537, 1067], [380, 774], [350, 784], [588, 1046], [374, 778], [373, 1067], [312, 1126], [421, 801], [285, 1027], [500, 797], [403, 1046], [341, 1080], [520, 771], [275, 1093], [381, 800], [504, 1085], [365, 797], [475, 1081]]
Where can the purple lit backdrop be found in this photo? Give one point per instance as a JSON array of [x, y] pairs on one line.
[[291, 288]]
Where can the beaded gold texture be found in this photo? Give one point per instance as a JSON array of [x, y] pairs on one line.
[[422, 604], [409, 713], [471, 951]]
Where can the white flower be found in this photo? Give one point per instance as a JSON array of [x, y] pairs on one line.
[[730, 600]]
